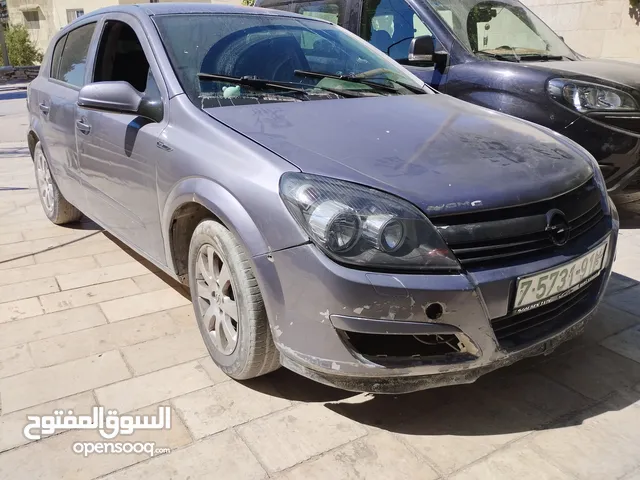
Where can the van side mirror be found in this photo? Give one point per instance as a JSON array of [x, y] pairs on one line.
[[422, 52], [421, 49], [119, 97]]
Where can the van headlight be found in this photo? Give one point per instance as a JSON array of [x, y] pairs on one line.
[[364, 227], [585, 96]]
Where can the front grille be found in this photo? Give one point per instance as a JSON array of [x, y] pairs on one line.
[[498, 238], [520, 330]]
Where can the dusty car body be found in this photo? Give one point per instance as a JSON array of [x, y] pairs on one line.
[[362, 230]]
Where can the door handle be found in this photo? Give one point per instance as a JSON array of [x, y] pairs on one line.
[[44, 108], [83, 127]]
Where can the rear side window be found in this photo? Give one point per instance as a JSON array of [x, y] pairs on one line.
[[57, 55], [73, 62], [326, 11]]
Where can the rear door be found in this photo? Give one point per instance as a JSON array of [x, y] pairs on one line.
[[56, 106]]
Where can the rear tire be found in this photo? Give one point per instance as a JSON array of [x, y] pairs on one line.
[[222, 287], [55, 206]]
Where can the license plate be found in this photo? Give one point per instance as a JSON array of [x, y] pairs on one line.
[[545, 287]]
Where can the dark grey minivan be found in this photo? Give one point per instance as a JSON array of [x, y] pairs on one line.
[[498, 54], [362, 230]]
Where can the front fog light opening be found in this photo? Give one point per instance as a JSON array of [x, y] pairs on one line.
[[336, 224], [385, 231]]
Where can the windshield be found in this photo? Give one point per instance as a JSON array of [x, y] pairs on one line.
[[504, 29], [235, 59]]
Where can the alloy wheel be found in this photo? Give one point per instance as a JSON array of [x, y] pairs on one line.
[[45, 182]]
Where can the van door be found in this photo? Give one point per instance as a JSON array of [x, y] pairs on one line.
[[390, 25]]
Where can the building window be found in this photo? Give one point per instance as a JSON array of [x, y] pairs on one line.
[[32, 19], [74, 13]]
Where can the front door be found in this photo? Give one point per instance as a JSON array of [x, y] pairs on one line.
[[117, 151]]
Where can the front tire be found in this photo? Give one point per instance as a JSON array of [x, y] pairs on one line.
[[228, 304], [55, 206]]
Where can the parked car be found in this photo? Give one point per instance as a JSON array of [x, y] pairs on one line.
[[363, 230], [498, 54]]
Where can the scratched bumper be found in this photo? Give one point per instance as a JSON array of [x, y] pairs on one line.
[[314, 304]]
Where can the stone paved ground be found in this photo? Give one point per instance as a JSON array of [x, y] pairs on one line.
[[84, 322]]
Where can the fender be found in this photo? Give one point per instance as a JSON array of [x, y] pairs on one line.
[[221, 203]]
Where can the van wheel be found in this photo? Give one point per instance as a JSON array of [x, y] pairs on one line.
[[228, 304], [55, 206]]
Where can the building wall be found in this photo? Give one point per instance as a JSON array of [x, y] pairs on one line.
[[596, 28]]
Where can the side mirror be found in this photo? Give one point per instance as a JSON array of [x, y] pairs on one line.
[[421, 49], [119, 97]]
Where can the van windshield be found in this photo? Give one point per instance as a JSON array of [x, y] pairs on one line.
[[503, 29], [236, 59]]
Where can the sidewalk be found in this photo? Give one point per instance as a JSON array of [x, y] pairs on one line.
[[84, 322]]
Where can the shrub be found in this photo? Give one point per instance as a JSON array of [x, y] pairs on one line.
[[22, 51]]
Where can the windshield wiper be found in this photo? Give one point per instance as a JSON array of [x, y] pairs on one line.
[[262, 84], [251, 82], [497, 56], [538, 57], [348, 78]]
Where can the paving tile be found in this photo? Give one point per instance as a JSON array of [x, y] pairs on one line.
[[57, 231], [184, 313], [594, 371], [10, 238], [56, 460], [46, 384], [103, 338], [165, 351], [113, 258], [606, 322], [89, 295], [625, 343], [375, 456], [136, 305], [627, 300], [619, 282], [154, 387], [12, 424], [25, 226], [100, 275], [14, 360], [35, 246], [599, 444], [287, 438], [29, 307], [44, 326], [21, 261], [33, 272], [97, 243], [516, 461], [201, 460], [226, 405], [150, 282], [30, 288], [214, 372]]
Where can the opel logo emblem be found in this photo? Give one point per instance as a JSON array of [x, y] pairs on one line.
[[557, 227]]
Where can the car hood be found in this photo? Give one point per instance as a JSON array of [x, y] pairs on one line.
[[621, 73], [442, 154]]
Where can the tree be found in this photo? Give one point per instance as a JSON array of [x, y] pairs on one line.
[[22, 51]]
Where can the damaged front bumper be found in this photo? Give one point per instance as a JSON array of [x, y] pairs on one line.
[[396, 333]]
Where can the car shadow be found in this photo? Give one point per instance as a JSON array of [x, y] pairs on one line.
[[629, 215]]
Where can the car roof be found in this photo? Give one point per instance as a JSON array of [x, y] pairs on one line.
[[152, 9]]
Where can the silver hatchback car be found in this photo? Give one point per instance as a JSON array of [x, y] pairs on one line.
[[328, 211]]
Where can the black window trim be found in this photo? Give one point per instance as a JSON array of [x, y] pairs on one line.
[[57, 81]]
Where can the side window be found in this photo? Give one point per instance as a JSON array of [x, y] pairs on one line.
[[121, 58], [57, 55], [390, 25], [74, 55], [325, 11]]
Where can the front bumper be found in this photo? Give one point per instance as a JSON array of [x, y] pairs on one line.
[[318, 309]]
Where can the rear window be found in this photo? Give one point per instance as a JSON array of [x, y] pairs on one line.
[[331, 12], [72, 63]]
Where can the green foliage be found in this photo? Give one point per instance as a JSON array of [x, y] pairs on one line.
[[22, 51], [634, 3], [251, 3]]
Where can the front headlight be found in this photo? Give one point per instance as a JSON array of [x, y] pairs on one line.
[[584, 96], [361, 226]]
